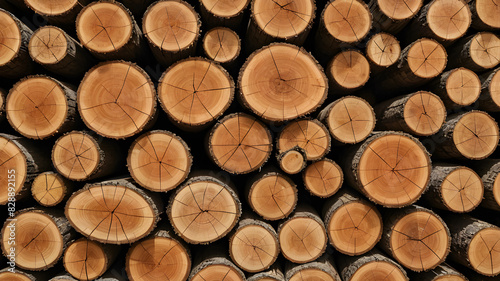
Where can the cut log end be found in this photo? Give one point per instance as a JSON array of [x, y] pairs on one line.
[[449, 19], [195, 91], [48, 45], [10, 38], [487, 11], [283, 19], [216, 271], [49, 189], [349, 69], [427, 58], [462, 190], [424, 113], [14, 276], [308, 134], [476, 135], [225, 8], [323, 178], [37, 107], [302, 239], [76, 156], [159, 160], [381, 270], [85, 259], [51, 7], [270, 88], [484, 250], [312, 274], [494, 89], [383, 49], [398, 10], [116, 99], [463, 86], [347, 20], [293, 161], [485, 50], [222, 44], [11, 159], [104, 27], [273, 197], [171, 26], [240, 143]]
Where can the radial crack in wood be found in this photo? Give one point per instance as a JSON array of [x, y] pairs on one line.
[[457, 88], [308, 134], [323, 178], [50, 189], [372, 266], [383, 50]]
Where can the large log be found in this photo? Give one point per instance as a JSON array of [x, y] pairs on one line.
[[488, 170], [229, 13], [484, 14], [370, 266], [392, 16], [323, 178], [457, 88], [489, 99]]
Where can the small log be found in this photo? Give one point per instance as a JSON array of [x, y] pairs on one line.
[[478, 52], [489, 100], [20, 161], [172, 28], [308, 134], [222, 45], [416, 237], [117, 99], [274, 274], [239, 143], [39, 107], [80, 156], [203, 210], [382, 51], [57, 13], [303, 236], [281, 20], [353, 224], [457, 88], [42, 236], [229, 13], [194, 92], [441, 272], [392, 16], [350, 119], [272, 195], [87, 260], [108, 30], [213, 264], [373, 265], [321, 269], [15, 61], [348, 71], [162, 253], [421, 113], [254, 246], [159, 160], [56, 51], [293, 160], [469, 135], [323, 178], [50, 189], [474, 243], [271, 90], [484, 14], [390, 168], [488, 171], [114, 212], [454, 188]]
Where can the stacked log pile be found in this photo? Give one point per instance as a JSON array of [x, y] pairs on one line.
[[267, 140]]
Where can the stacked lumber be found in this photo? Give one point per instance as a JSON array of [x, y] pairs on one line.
[[260, 140]]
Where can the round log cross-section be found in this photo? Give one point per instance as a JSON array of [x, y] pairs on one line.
[[49, 189], [323, 178], [308, 134]]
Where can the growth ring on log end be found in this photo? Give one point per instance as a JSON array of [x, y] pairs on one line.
[[240, 143], [398, 10], [49, 189], [281, 82], [484, 246], [379, 268], [348, 70], [195, 91], [6, 275], [463, 86], [116, 99], [424, 113], [85, 259], [427, 58], [48, 45], [51, 7], [159, 160], [323, 178], [10, 38], [448, 19], [347, 20], [484, 49], [487, 12], [222, 44], [308, 134]]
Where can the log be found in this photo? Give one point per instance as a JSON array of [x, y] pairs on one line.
[[420, 113], [2, 104], [39, 107], [113, 212], [108, 30], [348, 71], [469, 135], [274, 274], [271, 90], [12, 274], [342, 23], [483, 14], [382, 51], [41, 235], [50, 189], [323, 178], [15, 61], [474, 243], [393, 16], [441, 272], [223, 13], [254, 246], [416, 237], [172, 29], [21, 160], [390, 168], [194, 92], [477, 52], [79, 156], [373, 265], [57, 13], [350, 119], [57, 52], [302, 236], [489, 100], [322, 269], [214, 264], [239, 143], [117, 99], [457, 88], [281, 20], [488, 171], [162, 253], [308, 134], [159, 160], [353, 224], [87, 260], [293, 160], [204, 209], [454, 188], [272, 195], [222, 45]]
